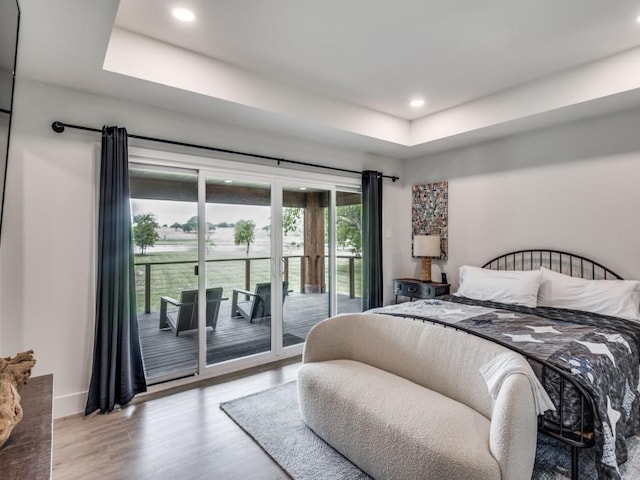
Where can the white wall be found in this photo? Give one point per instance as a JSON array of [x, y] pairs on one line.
[[48, 239], [572, 188]]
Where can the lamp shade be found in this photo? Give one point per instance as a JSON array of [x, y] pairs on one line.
[[426, 245]]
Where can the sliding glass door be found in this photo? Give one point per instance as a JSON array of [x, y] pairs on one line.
[[321, 264], [237, 251], [306, 259], [164, 205], [233, 269], [348, 228]]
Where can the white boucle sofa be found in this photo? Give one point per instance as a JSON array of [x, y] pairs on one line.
[[405, 400]]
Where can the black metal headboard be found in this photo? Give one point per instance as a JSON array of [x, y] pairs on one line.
[[563, 262]]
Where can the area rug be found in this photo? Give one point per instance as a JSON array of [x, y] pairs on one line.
[[271, 418]]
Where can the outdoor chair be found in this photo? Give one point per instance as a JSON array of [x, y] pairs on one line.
[[257, 305], [185, 317]]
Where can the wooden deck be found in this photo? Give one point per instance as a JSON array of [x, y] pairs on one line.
[[167, 356]]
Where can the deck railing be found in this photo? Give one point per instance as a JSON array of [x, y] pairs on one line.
[[154, 279]]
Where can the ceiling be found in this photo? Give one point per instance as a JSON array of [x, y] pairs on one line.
[[343, 72]]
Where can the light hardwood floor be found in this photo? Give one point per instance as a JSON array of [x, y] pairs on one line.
[[180, 435]]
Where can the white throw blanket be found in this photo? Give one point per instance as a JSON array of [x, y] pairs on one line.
[[497, 370]]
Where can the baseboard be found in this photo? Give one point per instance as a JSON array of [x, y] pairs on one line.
[[66, 405], [72, 404]]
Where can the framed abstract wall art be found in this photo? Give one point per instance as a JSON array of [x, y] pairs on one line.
[[429, 213]]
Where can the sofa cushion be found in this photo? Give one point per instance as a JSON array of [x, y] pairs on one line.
[[432, 356], [403, 430]]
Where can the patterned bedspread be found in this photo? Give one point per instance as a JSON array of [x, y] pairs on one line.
[[601, 353]]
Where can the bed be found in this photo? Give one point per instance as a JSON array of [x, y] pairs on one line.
[[588, 362]]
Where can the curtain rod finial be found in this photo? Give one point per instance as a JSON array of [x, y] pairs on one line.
[[57, 127]]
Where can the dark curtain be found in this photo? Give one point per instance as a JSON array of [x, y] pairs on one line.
[[371, 239], [118, 372]]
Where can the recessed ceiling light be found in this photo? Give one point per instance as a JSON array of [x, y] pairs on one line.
[[183, 14], [303, 188], [416, 102], [228, 181]]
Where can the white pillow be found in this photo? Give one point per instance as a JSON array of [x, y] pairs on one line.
[[617, 298], [504, 286]]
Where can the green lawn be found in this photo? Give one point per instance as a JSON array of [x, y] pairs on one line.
[[171, 278]]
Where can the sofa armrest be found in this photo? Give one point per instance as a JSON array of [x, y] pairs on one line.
[[237, 291], [234, 302], [331, 339], [514, 429], [164, 322], [172, 301]]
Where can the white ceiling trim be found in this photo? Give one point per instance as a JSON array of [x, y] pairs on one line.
[[141, 57], [147, 59], [594, 81]]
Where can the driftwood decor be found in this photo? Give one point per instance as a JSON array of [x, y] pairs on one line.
[[14, 373]]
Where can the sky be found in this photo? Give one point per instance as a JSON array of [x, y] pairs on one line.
[[168, 212]]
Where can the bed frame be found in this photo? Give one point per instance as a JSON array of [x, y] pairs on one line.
[[563, 262], [576, 266]]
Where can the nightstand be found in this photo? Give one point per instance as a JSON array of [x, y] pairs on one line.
[[414, 288]]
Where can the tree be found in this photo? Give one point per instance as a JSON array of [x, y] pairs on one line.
[[291, 218], [244, 233], [349, 227], [144, 231], [190, 226], [176, 226]]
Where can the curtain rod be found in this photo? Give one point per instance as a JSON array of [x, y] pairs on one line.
[[59, 127]]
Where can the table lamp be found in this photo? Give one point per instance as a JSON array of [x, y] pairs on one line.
[[426, 246]]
